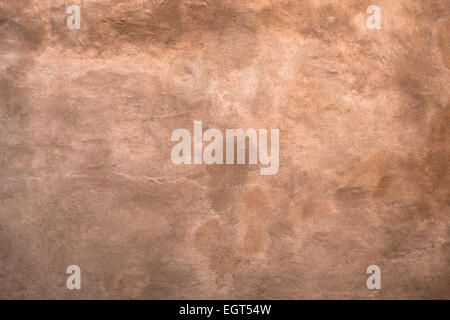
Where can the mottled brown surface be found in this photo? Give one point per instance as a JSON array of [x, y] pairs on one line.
[[86, 176]]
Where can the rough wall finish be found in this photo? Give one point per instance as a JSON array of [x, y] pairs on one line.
[[86, 176]]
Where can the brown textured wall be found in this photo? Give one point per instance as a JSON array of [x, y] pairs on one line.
[[86, 176]]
